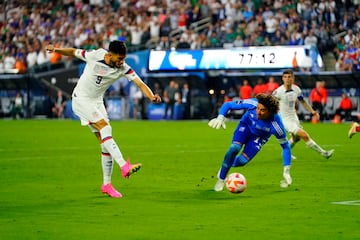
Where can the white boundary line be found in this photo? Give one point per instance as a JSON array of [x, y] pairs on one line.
[[350, 203]]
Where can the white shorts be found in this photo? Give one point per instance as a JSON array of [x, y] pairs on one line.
[[89, 110], [292, 124]]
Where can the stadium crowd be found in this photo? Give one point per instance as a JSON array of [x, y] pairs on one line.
[[27, 26]]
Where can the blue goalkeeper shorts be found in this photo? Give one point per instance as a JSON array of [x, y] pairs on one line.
[[252, 143]]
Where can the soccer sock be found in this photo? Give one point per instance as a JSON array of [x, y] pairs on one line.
[[292, 143], [228, 160], [107, 165], [311, 144], [110, 145], [240, 161]]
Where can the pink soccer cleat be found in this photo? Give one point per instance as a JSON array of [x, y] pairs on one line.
[[129, 169], [110, 190]]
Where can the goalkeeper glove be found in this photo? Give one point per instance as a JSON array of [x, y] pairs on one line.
[[286, 182], [218, 122]]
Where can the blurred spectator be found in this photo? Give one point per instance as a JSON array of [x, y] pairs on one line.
[[340, 47], [193, 15], [311, 39], [271, 85], [136, 34], [17, 107], [230, 94], [164, 21], [154, 29], [93, 24], [238, 42], [31, 57], [182, 19], [43, 56], [260, 87], [245, 90], [247, 13], [59, 105], [271, 26], [186, 100], [183, 44], [170, 93], [306, 63], [325, 42], [214, 40], [349, 37], [318, 98], [9, 62], [345, 62], [164, 43], [135, 102], [189, 36], [352, 50], [343, 111], [158, 89]]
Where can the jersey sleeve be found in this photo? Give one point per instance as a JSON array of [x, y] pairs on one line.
[[275, 93], [300, 95], [80, 54], [85, 55], [238, 105], [129, 72]]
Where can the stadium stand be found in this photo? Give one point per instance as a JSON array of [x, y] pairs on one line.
[[27, 26]]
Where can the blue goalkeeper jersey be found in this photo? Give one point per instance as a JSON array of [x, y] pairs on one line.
[[262, 129]]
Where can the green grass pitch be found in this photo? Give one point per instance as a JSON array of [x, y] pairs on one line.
[[50, 178]]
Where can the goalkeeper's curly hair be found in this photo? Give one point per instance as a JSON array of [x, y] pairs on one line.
[[269, 101]]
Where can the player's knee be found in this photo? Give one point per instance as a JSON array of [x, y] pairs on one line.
[[234, 148], [106, 132]]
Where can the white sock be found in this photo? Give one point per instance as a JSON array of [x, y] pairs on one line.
[[312, 144], [107, 165], [111, 146]]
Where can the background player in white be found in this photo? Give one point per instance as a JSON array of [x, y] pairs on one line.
[[103, 68], [288, 93]]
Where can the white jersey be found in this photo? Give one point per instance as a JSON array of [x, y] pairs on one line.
[[287, 99], [98, 76], [287, 102]]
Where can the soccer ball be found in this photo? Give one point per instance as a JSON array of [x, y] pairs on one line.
[[235, 183]]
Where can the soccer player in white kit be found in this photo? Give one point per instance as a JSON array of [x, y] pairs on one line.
[[288, 93], [103, 68]]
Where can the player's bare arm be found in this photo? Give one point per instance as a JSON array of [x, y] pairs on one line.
[[310, 109], [147, 91], [63, 51]]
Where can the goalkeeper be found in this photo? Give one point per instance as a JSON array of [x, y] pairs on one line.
[[260, 121]]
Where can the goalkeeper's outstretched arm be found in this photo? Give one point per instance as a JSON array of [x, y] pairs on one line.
[[219, 122]]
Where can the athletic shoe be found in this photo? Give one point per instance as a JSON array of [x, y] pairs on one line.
[[129, 169], [219, 186], [110, 190], [328, 154], [352, 130], [293, 157]]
